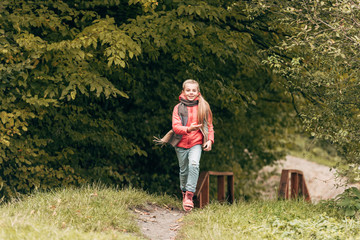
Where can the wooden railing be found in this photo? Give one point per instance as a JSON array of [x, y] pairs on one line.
[[293, 181], [202, 189]]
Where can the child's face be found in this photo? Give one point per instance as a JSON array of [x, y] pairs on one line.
[[191, 91]]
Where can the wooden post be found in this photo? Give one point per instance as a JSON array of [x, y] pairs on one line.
[[297, 185], [221, 188], [203, 185], [284, 186], [294, 185], [205, 192], [202, 190], [230, 181]]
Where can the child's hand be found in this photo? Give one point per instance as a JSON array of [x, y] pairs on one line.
[[207, 146], [194, 127]]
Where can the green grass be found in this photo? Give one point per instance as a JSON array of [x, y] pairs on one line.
[[306, 148], [317, 155], [93, 212], [268, 220], [98, 212]]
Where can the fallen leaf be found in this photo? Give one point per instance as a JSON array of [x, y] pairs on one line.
[[174, 228], [141, 212]]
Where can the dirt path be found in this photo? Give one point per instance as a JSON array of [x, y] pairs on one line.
[[158, 223], [321, 182]]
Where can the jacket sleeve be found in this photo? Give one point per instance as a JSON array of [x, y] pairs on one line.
[[211, 131], [176, 122]]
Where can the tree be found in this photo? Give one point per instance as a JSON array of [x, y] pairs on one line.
[[86, 84], [321, 68]]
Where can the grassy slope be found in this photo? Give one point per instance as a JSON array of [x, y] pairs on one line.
[[103, 213], [86, 213], [303, 147]]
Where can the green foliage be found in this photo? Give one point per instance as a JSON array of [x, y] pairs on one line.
[[53, 61], [85, 85], [349, 202], [319, 59]]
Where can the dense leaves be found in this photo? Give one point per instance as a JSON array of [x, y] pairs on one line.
[[322, 47], [85, 85]]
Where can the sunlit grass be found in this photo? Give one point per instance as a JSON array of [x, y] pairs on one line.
[[92, 212], [268, 220], [321, 157], [309, 149], [98, 212]]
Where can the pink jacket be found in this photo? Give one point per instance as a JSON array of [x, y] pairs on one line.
[[193, 138]]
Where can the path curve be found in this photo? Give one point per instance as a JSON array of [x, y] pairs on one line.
[[321, 181]]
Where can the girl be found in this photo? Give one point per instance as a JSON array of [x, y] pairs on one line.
[[192, 125]]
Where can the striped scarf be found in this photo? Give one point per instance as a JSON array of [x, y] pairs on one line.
[[171, 137]]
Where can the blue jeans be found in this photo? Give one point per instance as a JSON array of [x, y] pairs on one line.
[[189, 163]]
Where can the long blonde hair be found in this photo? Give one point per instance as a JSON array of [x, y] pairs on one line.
[[204, 111]]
